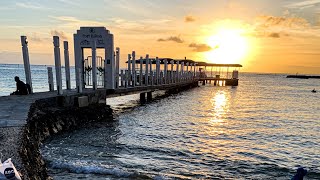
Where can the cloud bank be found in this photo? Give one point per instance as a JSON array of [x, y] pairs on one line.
[[200, 47], [176, 39]]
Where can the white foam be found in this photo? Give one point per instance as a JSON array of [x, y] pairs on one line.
[[85, 168]]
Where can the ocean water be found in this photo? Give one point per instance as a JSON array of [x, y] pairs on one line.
[[265, 128], [39, 75]]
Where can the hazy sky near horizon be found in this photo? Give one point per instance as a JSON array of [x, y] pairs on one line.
[[262, 35]]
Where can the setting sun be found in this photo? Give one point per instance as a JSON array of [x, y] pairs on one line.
[[228, 46]]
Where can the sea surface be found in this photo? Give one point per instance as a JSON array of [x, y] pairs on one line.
[[265, 128]]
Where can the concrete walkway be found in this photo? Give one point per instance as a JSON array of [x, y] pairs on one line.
[[14, 109]]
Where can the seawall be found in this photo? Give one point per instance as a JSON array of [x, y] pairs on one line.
[[44, 115], [46, 121], [25, 121]]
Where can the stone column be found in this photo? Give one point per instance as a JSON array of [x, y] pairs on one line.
[[57, 58], [117, 67], [134, 74], [141, 72], [129, 69], [151, 72], [182, 71], [50, 79], [122, 79], [94, 65], [26, 61], [157, 71], [187, 72], [171, 75], [177, 72], [67, 64], [147, 70], [165, 71]]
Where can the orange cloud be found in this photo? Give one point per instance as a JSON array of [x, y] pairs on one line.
[[200, 47], [172, 38], [189, 19]]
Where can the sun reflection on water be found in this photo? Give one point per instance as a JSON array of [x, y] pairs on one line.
[[219, 104]]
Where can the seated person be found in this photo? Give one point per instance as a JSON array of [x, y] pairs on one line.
[[21, 87]]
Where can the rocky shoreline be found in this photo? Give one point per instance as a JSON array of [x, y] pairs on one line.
[[46, 117]]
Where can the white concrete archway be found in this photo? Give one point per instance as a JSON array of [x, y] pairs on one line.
[[85, 38]]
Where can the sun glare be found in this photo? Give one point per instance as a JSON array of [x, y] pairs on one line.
[[228, 46]]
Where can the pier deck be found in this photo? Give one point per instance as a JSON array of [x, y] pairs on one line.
[[14, 109]]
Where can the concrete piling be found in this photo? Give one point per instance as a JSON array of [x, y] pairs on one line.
[[57, 58], [67, 64], [117, 67], [142, 98], [129, 69], [134, 74], [26, 61], [165, 74], [149, 96], [147, 71], [157, 71], [141, 72], [177, 73], [94, 65], [50, 79]]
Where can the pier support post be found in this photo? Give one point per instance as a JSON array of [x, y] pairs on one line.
[[50, 79], [194, 70], [151, 72], [165, 71], [94, 65], [161, 77], [117, 67], [203, 82], [147, 71], [126, 78], [149, 96], [78, 67], [79, 77], [182, 71], [129, 69], [67, 64], [187, 72], [177, 72], [122, 77], [26, 61], [191, 71], [171, 78], [157, 71], [140, 72], [57, 58], [134, 74], [142, 98]]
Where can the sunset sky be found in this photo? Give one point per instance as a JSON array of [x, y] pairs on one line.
[[281, 36]]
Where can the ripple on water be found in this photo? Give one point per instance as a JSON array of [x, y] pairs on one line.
[[263, 129]]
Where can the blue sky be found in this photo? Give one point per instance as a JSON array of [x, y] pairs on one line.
[[138, 24]]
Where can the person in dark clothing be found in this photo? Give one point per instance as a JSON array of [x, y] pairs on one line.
[[21, 87], [300, 174]]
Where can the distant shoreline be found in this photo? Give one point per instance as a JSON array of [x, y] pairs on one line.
[[303, 77]]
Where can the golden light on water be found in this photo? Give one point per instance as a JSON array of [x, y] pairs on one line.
[[229, 46], [219, 104]]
